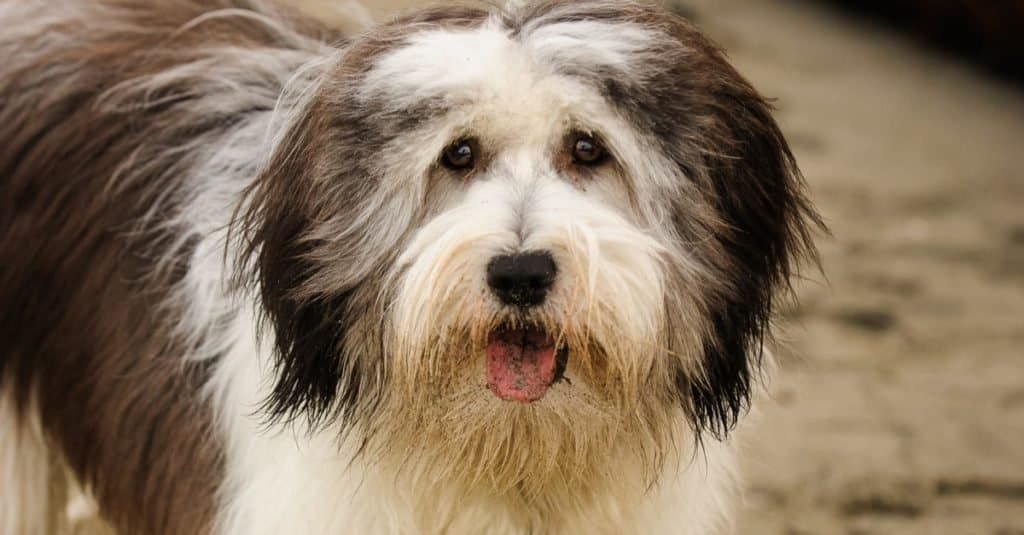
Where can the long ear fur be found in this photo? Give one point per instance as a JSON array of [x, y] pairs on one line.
[[759, 195], [764, 220], [306, 338], [316, 377]]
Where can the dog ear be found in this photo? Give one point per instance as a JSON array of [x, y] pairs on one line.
[[315, 378], [754, 223], [758, 195]]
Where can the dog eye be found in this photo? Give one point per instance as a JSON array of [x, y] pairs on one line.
[[460, 155], [587, 151]]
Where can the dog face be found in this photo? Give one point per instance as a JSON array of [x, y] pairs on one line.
[[513, 246]]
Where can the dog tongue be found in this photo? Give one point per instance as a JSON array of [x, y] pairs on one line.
[[520, 364]]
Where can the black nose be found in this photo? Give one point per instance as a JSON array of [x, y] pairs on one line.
[[523, 279]]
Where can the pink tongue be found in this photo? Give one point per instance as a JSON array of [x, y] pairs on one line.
[[520, 364]]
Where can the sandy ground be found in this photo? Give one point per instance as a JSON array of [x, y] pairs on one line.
[[899, 404]]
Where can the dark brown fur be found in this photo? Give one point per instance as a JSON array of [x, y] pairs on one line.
[[85, 323]]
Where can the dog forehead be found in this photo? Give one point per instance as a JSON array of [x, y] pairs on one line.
[[539, 65]]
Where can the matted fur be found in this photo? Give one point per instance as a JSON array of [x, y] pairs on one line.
[[251, 300]]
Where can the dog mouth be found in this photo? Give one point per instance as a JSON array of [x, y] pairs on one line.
[[523, 363]]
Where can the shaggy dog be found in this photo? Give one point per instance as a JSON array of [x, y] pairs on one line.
[[483, 269]]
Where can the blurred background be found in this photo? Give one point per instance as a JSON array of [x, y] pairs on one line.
[[899, 405]]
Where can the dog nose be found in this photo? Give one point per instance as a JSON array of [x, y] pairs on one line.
[[523, 279]]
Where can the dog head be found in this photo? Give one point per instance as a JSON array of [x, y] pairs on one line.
[[512, 244]]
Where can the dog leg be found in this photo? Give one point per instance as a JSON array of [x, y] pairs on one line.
[[38, 495]]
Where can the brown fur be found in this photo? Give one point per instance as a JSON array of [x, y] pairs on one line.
[[85, 318]]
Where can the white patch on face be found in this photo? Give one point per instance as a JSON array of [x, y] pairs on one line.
[[488, 63], [509, 88], [590, 45], [449, 63]]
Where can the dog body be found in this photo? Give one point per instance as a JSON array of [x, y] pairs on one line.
[[502, 270]]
